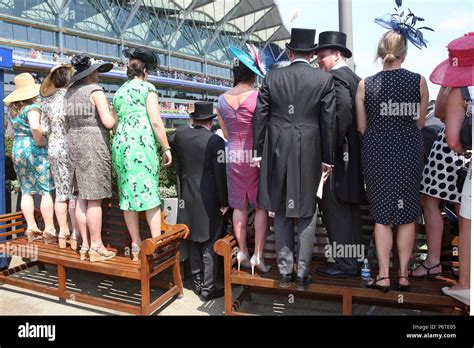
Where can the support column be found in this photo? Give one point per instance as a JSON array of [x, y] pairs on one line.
[[345, 25]]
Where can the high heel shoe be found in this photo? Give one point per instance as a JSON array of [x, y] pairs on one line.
[[401, 287], [33, 235], [96, 255], [63, 239], [135, 253], [258, 262], [49, 236], [242, 259], [84, 253]]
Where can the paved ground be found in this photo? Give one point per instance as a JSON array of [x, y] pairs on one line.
[[16, 301]]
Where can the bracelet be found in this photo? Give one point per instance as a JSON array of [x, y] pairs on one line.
[[167, 149]]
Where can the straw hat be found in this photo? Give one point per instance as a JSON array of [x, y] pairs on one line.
[[47, 87], [26, 88]]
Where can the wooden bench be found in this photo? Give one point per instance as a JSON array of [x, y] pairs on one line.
[[424, 293], [157, 255]]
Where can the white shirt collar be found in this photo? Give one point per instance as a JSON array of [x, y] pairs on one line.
[[339, 65], [301, 60]]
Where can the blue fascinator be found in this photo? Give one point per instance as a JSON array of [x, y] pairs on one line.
[[405, 25]]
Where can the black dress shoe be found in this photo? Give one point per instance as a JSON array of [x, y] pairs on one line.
[[303, 283], [285, 280], [336, 271], [217, 293]]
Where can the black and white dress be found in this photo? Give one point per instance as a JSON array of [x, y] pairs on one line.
[[392, 146], [441, 171]]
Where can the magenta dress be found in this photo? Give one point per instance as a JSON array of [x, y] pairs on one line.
[[242, 174]]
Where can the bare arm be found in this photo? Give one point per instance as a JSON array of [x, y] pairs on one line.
[[425, 97], [99, 99], [440, 106], [455, 114], [153, 109], [34, 119], [114, 115], [360, 108], [222, 125]]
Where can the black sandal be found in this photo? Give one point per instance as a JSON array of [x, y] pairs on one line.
[[428, 271], [401, 287], [378, 287]]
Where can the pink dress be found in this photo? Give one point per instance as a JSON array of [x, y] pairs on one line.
[[242, 174]]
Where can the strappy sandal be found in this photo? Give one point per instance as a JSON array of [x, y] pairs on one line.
[[401, 287], [378, 287], [428, 271], [135, 253], [84, 253], [33, 235], [63, 239], [96, 255]]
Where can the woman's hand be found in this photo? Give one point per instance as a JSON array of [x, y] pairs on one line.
[[167, 158]]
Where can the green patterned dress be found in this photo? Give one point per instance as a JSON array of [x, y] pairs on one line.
[[134, 150]]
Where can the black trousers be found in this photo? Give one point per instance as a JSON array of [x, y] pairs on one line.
[[342, 221], [203, 262]]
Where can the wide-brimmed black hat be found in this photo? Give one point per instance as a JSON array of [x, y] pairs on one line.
[[83, 67], [144, 54], [203, 111], [335, 40], [302, 40]]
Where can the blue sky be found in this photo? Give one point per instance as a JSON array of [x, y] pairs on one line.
[[449, 18]]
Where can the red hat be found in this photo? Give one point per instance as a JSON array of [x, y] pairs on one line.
[[458, 69]]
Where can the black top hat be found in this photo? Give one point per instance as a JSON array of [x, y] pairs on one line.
[[302, 40], [203, 111], [144, 54], [83, 67], [335, 40]]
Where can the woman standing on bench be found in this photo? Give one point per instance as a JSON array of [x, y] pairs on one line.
[[235, 110], [30, 155], [134, 151], [53, 89], [88, 125]]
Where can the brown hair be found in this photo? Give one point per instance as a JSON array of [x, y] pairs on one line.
[[15, 108], [392, 46], [61, 77], [136, 68]]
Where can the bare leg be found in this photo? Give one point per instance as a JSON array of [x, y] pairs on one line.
[[405, 242], [72, 216], [383, 244], [239, 220], [132, 221], [94, 223], [81, 220], [261, 226], [61, 214], [28, 210], [434, 226], [153, 216], [47, 211], [464, 281]]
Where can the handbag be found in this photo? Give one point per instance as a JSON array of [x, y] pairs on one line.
[[466, 129]]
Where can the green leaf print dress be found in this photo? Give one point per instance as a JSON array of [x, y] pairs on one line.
[[134, 150]]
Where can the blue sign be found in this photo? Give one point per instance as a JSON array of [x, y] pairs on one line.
[[6, 58]]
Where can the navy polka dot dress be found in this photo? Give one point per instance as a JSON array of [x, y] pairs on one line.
[[392, 146]]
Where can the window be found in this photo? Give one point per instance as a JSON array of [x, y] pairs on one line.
[[6, 29], [70, 41], [34, 35], [48, 38], [92, 46], [112, 50], [20, 32], [81, 44]]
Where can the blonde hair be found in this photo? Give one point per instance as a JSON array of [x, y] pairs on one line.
[[16, 108], [392, 46]]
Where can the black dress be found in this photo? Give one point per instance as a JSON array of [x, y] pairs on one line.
[[392, 147]]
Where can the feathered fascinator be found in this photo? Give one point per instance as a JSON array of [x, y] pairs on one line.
[[405, 25], [257, 58], [253, 60]]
